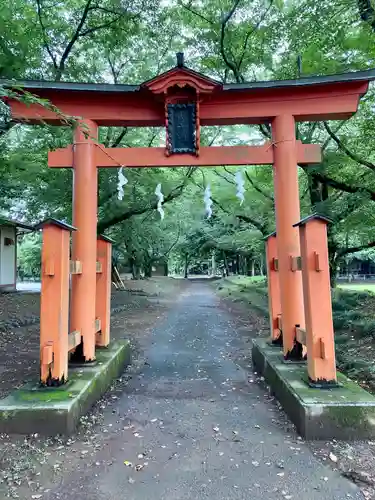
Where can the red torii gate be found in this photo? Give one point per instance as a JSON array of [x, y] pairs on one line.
[[183, 100]]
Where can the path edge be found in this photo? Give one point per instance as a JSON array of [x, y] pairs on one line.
[[57, 411]]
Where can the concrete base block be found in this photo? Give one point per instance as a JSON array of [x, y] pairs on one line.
[[346, 412], [56, 410]]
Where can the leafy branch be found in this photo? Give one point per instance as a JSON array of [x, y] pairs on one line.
[[346, 150], [231, 64], [367, 12], [358, 248], [79, 31], [14, 92], [343, 186]]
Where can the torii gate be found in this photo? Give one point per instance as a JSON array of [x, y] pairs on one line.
[[182, 101]]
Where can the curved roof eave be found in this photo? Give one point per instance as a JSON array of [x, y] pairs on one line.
[[354, 76]]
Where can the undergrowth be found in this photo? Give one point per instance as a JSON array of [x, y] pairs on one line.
[[353, 319]]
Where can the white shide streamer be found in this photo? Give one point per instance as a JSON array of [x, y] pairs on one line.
[[122, 181], [160, 196], [207, 201], [240, 183]]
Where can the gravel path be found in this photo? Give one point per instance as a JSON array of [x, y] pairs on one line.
[[192, 425]]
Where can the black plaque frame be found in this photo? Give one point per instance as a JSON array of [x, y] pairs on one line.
[[182, 128]]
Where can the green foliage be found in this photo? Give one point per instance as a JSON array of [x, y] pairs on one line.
[[29, 256], [230, 40]]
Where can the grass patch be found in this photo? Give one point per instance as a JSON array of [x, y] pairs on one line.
[[353, 318], [44, 395], [246, 289], [366, 287]]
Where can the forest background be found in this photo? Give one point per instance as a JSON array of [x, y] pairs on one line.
[[123, 41]]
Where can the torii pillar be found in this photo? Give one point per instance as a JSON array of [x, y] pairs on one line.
[[85, 191], [287, 214]]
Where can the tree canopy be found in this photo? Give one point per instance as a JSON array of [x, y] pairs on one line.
[[123, 41]]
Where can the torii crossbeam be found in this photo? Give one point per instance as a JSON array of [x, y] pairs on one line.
[[212, 156]]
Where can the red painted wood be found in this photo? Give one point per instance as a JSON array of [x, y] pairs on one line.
[[181, 77], [209, 156], [287, 212], [141, 108]]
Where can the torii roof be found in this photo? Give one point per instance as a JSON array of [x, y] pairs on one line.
[[35, 85], [312, 98]]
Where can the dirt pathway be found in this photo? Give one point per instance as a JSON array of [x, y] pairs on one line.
[[192, 425]]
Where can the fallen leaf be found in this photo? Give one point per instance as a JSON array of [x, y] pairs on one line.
[[333, 457]]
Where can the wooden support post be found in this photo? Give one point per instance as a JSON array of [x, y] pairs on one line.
[[321, 362], [85, 184], [287, 214], [54, 308], [274, 303], [103, 290]]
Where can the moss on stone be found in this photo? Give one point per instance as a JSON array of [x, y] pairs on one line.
[[57, 410], [346, 412], [44, 395], [354, 416]]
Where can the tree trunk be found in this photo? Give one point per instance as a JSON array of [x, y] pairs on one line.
[[319, 193], [132, 266], [261, 265], [186, 266], [226, 267], [213, 263], [238, 271], [244, 266], [165, 268], [334, 263], [136, 269], [136, 272], [333, 258], [148, 268]]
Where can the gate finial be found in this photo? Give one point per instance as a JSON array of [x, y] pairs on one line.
[[180, 59]]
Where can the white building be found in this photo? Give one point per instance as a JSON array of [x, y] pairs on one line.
[[9, 230]]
